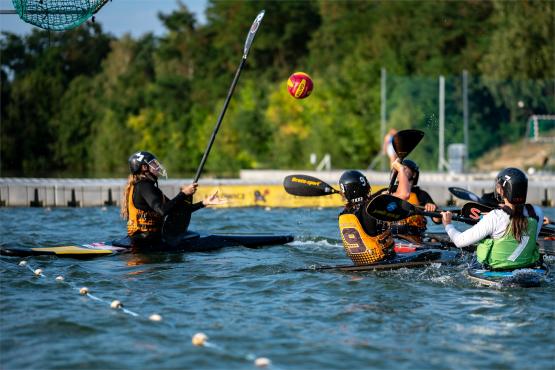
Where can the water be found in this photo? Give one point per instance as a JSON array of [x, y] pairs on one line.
[[251, 304]]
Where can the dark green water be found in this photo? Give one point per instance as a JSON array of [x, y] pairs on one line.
[[251, 304]]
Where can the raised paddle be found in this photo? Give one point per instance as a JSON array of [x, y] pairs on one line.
[[404, 142], [307, 186], [248, 42], [387, 207]]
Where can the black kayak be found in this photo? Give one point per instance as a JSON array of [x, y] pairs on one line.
[[416, 259], [189, 242], [523, 278]]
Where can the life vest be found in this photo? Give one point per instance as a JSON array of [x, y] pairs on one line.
[[506, 252], [413, 225], [141, 221], [360, 247]]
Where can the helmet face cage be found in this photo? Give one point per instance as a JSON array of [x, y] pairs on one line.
[[157, 168], [137, 160]]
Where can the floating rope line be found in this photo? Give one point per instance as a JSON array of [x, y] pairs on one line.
[[201, 340], [116, 304], [198, 340]]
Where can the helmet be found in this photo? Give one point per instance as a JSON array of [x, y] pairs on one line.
[[354, 186], [514, 184], [414, 169], [138, 159]]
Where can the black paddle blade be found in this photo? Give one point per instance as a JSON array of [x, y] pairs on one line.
[[474, 211], [489, 200], [405, 141], [386, 207], [464, 194], [307, 186]]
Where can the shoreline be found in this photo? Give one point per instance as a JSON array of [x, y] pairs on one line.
[[253, 188]]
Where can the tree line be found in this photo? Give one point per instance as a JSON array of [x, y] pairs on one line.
[[78, 103]]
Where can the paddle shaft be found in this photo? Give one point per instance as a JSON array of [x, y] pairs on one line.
[[454, 217], [219, 122], [248, 42]]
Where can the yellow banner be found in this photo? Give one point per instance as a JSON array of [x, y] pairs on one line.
[[266, 196]]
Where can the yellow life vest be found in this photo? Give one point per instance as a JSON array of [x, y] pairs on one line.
[[141, 221], [360, 247]]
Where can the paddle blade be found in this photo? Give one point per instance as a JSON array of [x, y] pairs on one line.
[[464, 194], [489, 199], [386, 207], [405, 141], [307, 186], [474, 211]]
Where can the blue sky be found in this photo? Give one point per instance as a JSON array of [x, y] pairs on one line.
[[117, 17]]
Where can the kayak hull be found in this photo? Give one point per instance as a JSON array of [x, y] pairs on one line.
[[416, 259], [523, 278], [190, 242]]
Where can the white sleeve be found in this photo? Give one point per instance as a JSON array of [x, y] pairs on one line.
[[476, 233]]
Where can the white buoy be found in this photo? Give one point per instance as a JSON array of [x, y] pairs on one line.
[[262, 362], [38, 272], [84, 291], [199, 339], [267, 209], [155, 317], [116, 304], [22, 263], [59, 278]]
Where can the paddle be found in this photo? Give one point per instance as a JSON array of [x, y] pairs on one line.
[[487, 199], [404, 142], [475, 211], [387, 207], [248, 42], [307, 186]]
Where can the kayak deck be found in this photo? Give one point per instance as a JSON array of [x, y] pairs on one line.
[[524, 278], [190, 242]]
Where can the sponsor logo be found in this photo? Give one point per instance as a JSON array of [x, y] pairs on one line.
[[307, 182], [475, 213], [392, 206], [300, 88], [256, 23]]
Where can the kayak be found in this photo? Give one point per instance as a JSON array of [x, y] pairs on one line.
[[416, 259], [524, 278], [189, 242]]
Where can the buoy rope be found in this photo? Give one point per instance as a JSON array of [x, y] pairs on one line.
[[199, 339]]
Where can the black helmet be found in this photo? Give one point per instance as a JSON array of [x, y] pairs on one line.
[[414, 169], [138, 159], [354, 186], [514, 184]]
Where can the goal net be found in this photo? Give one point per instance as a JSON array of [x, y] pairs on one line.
[[57, 15], [541, 128]]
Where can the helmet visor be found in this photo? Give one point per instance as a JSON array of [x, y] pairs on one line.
[[157, 169]]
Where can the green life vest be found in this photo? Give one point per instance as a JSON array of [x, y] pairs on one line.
[[507, 253]]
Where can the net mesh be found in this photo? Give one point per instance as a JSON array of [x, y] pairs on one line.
[[57, 15]]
